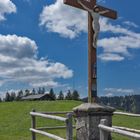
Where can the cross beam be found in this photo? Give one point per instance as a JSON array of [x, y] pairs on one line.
[[90, 4], [74, 3], [92, 56]]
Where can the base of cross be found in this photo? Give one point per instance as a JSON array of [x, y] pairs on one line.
[[88, 117]]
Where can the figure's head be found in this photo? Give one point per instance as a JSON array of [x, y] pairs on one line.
[[96, 9]]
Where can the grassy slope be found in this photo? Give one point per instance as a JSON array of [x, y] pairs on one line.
[[15, 119], [125, 121]]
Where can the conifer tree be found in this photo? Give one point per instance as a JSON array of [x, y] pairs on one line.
[[52, 94], [61, 96]]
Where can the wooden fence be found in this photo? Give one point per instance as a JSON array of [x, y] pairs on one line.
[[67, 121], [105, 130]]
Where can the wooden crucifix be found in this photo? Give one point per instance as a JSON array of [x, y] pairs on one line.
[[94, 11]]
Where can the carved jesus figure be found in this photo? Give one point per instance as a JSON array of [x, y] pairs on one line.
[[95, 13]]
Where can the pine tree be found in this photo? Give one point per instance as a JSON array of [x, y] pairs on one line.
[[52, 94], [43, 90], [61, 96], [27, 92], [75, 95], [19, 95], [0, 99], [39, 91], [68, 95], [12, 96], [7, 97], [33, 91]]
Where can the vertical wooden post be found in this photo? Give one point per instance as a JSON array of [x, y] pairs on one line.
[[92, 65], [103, 134], [33, 125], [69, 127]]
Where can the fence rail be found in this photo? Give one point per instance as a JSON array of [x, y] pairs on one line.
[[48, 116], [127, 129], [105, 130], [57, 112], [46, 134], [67, 120], [127, 114]]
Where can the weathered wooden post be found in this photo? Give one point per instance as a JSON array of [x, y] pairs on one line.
[[93, 22], [104, 134], [88, 115], [33, 125], [69, 127]]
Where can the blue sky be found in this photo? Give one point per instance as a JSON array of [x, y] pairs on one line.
[[44, 43]]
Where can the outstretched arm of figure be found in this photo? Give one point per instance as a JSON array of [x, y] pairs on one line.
[[89, 10], [103, 12]]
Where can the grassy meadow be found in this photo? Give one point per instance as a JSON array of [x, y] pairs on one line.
[[15, 120]]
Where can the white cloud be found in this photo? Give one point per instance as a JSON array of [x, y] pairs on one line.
[[45, 84], [119, 43], [129, 23], [63, 19], [119, 90], [110, 57], [69, 22], [19, 63], [109, 94], [6, 7], [18, 47]]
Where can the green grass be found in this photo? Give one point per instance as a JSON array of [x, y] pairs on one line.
[[15, 119], [125, 121]]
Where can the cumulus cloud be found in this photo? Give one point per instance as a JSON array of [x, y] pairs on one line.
[[110, 57], [19, 63], [70, 22], [6, 7], [64, 20], [116, 47], [129, 24], [118, 91]]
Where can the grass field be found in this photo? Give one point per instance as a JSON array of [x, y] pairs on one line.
[[15, 119]]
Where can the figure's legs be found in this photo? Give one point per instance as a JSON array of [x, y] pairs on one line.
[[95, 38]]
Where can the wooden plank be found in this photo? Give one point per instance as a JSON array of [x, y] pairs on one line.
[[73, 3], [53, 127], [127, 129], [47, 134], [69, 127], [127, 114], [33, 125], [103, 134], [111, 14], [91, 57], [57, 112], [48, 116], [118, 131]]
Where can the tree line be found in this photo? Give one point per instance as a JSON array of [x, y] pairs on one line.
[[13, 96], [130, 103]]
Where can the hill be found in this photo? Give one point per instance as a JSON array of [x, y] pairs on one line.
[[15, 119]]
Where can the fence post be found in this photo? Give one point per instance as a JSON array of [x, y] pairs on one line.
[[104, 135], [33, 125], [69, 127]]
